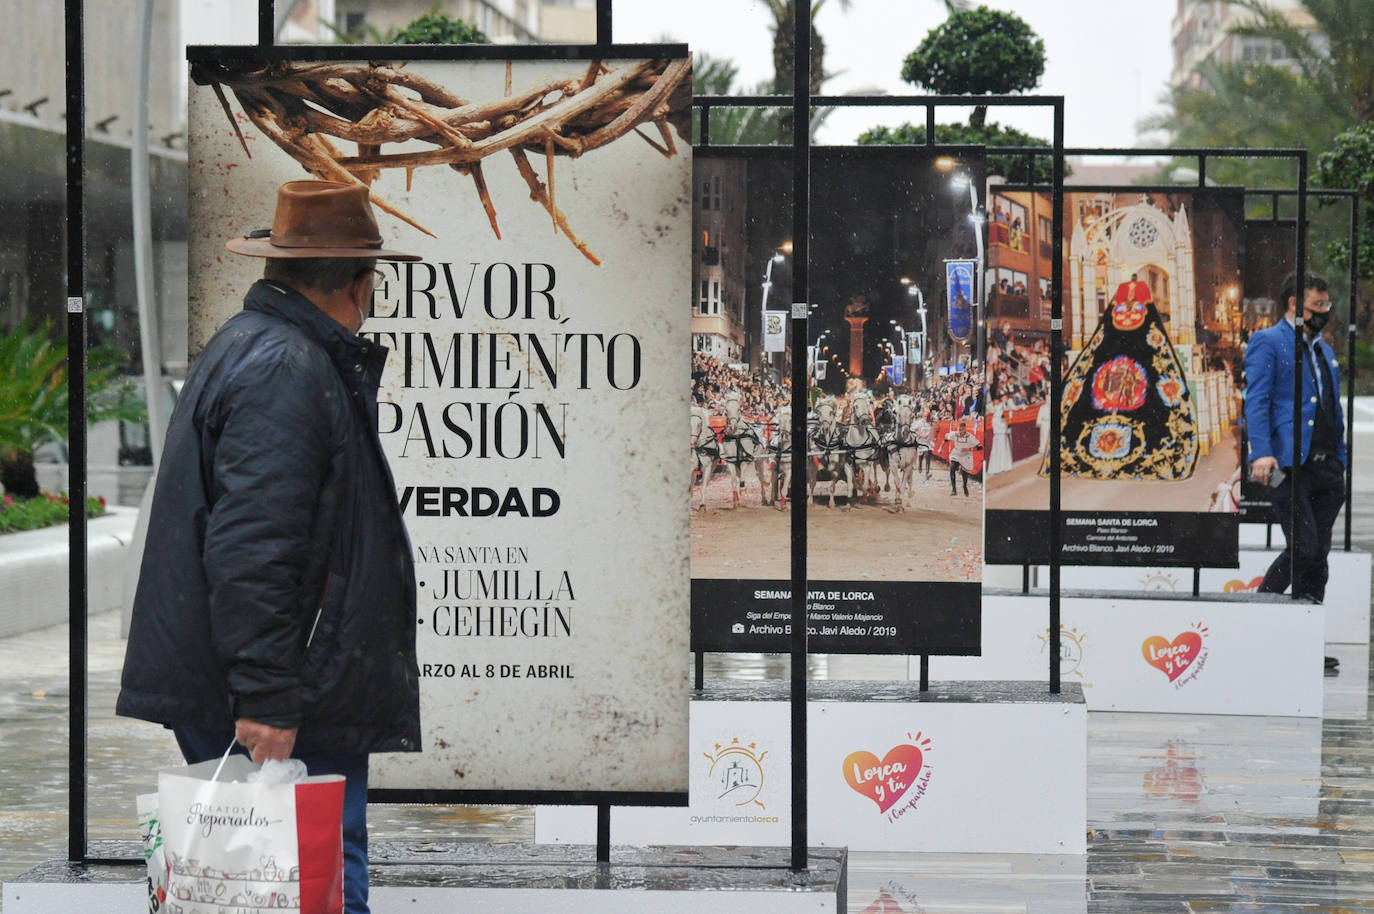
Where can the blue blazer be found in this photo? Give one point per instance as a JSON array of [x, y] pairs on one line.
[[1269, 395]]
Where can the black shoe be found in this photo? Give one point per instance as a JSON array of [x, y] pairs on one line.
[[1331, 664]]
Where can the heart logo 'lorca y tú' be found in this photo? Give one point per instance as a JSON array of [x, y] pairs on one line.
[[1172, 658], [883, 781], [1238, 586]]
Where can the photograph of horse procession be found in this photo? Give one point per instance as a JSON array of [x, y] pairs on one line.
[[894, 437]]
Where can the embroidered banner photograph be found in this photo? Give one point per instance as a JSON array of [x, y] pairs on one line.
[[1149, 447]]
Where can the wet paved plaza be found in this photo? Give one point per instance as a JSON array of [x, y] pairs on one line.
[[1187, 813]]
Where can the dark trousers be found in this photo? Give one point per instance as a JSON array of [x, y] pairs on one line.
[[200, 744], [1319, 498], [954, 471]]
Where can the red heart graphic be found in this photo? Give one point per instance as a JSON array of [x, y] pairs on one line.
[[1172, 659], [884, 904], [883, 782]]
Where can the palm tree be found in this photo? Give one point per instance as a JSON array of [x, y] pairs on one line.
[[1322, 88], [732, 126], [1333, 56], [33, 399], [784, 13]]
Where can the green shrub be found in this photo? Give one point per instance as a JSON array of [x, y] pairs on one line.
[[47, 510]]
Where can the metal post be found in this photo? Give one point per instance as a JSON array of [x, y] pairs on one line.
[[603, 833], [603, 22], [801, 238], [267, 25], [1300, 271], [76, 429], [1350, 368], [1056, 386], [150, 339]]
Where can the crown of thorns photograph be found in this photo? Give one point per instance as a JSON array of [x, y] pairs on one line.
[[305, 107]]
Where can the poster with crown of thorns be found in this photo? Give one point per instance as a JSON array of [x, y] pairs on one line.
[[534, 402]]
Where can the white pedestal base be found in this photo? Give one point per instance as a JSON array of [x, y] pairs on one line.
[[498, 879], [1020, 751], [1347, 590], [1260, 655]]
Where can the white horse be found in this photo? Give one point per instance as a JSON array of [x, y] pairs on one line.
[[740, 446], [827, 451], [778, 456], [865, 448], [705, 450], [903, 449]]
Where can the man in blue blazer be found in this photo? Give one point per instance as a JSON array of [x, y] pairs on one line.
[[1269, 420]]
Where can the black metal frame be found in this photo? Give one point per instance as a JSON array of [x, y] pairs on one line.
[[219, 53], [79, 632], [1353, 198], [801, 150], [801, 102], [1302, 193]]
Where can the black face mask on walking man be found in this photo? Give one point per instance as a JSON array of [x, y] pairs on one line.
[[1316, 320]]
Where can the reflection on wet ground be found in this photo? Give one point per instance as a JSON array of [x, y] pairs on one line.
[[1187, 813]]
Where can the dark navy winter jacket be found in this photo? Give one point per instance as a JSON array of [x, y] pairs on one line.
[[277, 582]]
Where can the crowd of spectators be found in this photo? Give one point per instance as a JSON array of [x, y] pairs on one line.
[[1018, 375], [712, 379]]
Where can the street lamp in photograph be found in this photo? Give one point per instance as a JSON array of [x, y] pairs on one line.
[[914, 291], [905, 353], [814, 354], [959, 181], [779, 256]]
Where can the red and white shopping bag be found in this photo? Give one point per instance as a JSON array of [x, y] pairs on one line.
[[232, 845]]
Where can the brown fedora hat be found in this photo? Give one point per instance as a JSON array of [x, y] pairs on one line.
[[319, 219]]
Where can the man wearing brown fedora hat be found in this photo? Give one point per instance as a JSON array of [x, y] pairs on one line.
[[276, 602]]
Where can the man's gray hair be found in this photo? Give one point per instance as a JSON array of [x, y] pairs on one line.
[[328, 274]]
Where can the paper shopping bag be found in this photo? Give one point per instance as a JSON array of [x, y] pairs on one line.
[[150, 834], [233, 845]]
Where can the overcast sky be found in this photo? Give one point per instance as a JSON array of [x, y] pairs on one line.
[[1110, 60]]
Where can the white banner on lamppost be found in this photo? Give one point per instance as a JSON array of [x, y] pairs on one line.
[[774, 331]]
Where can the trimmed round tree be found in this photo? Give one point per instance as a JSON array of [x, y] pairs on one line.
[[978, 52]]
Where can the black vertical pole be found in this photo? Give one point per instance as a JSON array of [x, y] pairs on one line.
[[1056, 384], [1300, 271], [930, 125], [76, 428], [603, 833], [267, 26], [1350, 367], [603, 22], [801, 237]]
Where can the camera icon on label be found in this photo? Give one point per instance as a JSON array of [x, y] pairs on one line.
[[737, 628]]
